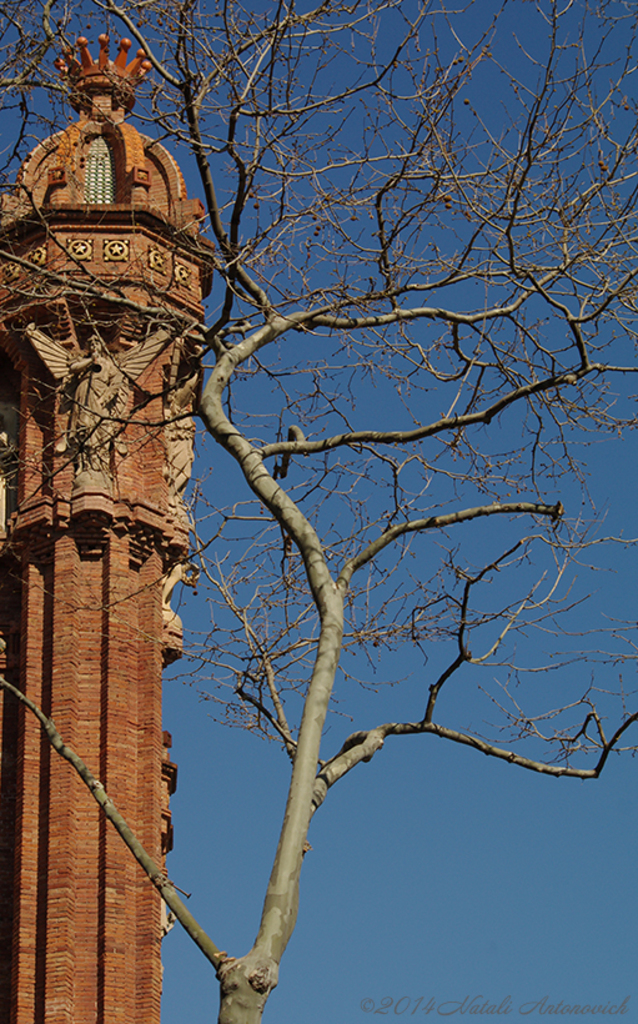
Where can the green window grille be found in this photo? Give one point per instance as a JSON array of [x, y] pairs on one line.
[[99, 184]]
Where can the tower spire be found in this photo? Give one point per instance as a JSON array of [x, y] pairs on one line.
[[103, 88]]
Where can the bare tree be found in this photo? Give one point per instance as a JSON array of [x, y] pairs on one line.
[[425, 304]]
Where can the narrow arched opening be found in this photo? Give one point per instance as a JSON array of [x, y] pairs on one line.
[[99, 181]]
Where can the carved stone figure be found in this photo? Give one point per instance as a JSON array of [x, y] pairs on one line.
[[186, 573], [95, 390], [180, 436], [179, 432], [4, 450], [8, 472], [6, 458], [96, 393]]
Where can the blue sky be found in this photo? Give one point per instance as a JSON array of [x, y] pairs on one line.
[[436, 875], [435, 872]]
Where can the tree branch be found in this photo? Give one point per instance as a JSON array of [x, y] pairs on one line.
[[440, 523], [362, 746]]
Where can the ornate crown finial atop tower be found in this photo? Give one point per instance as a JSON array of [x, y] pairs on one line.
[[103, 88]]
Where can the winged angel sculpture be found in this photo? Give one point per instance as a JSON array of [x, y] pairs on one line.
[[95, 387]]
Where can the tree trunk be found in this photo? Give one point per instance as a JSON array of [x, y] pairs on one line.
[[245, 985]]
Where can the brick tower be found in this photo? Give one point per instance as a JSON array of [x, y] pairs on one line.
[[102, 273]]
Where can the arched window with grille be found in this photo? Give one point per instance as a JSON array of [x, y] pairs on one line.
[[99, 182]]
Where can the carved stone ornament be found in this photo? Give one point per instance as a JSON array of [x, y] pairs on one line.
[[81, 248], [141, 176], [38, 256], [188, 574], [179, 432], [57, 176], [95, 388], [5, 451], [8, 471], [157, 260], [180, 436], [182, 274], [11, 272], [116, 250]]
